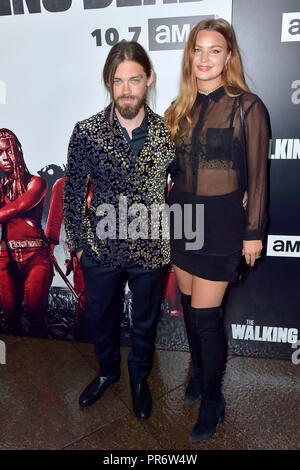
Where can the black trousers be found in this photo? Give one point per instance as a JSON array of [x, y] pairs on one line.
[[104, 291]]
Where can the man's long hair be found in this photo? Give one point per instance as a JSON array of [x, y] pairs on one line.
[[14, 185], [232, 76], [120, 52]]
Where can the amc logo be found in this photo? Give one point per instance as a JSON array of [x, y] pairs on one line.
[[283, 245], [171, 33], [290, 30]]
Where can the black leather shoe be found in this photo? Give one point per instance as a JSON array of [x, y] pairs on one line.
[[141, 399], [96, 388]]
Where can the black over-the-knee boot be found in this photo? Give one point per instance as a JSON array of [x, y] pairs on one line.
[[209, 334], [193, 389]]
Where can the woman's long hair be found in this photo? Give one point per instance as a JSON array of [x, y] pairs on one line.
[[232, 76], [13, 185]]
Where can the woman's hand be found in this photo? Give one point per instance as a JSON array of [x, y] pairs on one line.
[[252, 250]]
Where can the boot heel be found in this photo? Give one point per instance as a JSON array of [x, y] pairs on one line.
[[222, 410]]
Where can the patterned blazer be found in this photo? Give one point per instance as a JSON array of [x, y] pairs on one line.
[[99, 152]]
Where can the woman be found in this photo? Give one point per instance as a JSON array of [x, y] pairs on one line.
[[210, 169], [25, 267]]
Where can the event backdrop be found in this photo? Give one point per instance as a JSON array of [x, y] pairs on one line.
[[52, 55]]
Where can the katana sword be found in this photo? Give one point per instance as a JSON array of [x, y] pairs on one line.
[[62, 274]]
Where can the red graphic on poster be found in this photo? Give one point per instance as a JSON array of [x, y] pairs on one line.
[[172, 294], [52, 232], [171, 291]]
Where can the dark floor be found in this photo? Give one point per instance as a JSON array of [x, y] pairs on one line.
[[42, 380]]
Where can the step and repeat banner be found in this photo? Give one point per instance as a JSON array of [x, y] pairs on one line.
[[52, 56], [263, 314]]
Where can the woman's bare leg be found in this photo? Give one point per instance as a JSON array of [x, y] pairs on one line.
[[184, 280], [207, 294]]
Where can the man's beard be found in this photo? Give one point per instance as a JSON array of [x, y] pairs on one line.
[[130, 111]]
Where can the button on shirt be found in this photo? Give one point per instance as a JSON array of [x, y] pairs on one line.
[[138, 135]]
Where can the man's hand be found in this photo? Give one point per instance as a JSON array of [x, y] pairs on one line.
[[252, 250]]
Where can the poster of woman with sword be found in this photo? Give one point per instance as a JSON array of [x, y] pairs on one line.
[[26, 268]]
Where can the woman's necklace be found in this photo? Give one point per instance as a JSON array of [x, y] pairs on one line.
[[210, 91]]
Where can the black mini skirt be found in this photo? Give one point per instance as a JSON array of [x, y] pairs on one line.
[[221, 253], [210, 267]]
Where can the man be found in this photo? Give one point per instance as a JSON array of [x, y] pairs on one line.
[[124, 151], [26, 270]]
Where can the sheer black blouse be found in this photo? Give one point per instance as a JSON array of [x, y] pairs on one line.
[[210, 161]]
